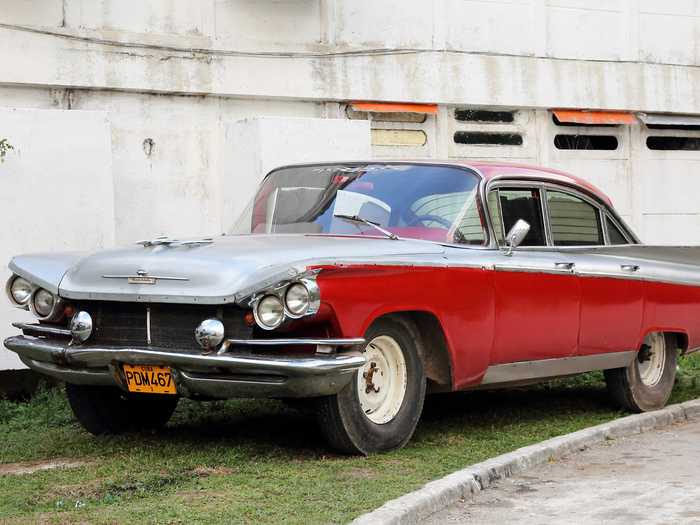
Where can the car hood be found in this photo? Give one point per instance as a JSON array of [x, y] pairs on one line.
[[225, 270]]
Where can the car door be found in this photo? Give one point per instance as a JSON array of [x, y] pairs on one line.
[[611, 290], [536, 293]]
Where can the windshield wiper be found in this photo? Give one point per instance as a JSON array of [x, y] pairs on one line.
[[355, 218]]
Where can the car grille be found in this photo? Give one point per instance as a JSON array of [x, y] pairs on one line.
[[172, 325]]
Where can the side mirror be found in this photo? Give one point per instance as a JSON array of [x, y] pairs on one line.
[[516, 235]]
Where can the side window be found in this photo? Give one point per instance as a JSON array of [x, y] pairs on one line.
[[615, 236], [574, 222], [517, 203]]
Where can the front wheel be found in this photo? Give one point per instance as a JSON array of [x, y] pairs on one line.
[[109, 410], [379, 410], [646, 384]]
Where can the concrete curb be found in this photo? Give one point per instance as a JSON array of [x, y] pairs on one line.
[[438, 494]]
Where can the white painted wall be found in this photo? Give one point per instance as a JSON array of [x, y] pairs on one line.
[[621, 54], [256, 146], [56, 191], [178, 72]]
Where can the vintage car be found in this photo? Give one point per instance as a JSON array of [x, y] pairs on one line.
[[358, 287]]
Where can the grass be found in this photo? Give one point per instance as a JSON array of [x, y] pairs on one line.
[[258, 461]]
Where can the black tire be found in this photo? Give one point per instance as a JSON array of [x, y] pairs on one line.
[[629, 390], [109, 410], [341, 418]]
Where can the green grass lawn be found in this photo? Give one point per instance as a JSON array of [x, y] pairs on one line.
[[259, 461]]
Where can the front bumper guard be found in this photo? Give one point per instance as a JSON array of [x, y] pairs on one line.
[[217, 376]]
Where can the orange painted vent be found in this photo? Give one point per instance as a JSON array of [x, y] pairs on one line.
[[391, 107], [574, 116]]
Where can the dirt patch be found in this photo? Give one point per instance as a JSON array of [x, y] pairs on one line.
[[204, 472], [30, 467], [360, 473]]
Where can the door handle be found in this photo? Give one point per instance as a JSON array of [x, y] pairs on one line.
[[629, 267], [565, 265]]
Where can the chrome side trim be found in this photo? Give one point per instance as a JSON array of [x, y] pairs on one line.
[[541, 369], [42, 329], [533, 269], [287, 342]]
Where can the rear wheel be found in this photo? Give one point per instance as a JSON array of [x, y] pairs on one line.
[[646, 384], [380, 408], [109, 410]]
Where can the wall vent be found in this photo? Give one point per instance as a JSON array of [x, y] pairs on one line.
[[416, 118], [581, 124], [479, 115], [667, 143], [399, 137], [586, 142], [479, 138]]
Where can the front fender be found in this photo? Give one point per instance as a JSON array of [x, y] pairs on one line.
[[45, 270]]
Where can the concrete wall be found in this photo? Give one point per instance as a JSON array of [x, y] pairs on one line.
[[56, 191], [256, 146], [169, 76], [574, 53]]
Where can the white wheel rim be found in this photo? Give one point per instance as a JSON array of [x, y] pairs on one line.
[[651, 363], [381, 383]]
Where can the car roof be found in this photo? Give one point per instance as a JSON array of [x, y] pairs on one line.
[[494, 169]]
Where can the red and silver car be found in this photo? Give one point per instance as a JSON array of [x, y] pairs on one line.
[[361, 287]]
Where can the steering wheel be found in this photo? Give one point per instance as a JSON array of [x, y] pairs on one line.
[[435, 218]]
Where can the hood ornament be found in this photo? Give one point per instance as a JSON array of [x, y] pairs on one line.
[[167, 241]]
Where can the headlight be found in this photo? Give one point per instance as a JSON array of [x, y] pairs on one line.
[[45, 305], [297, 299], [43, 302], [19, 291], [269, 312]]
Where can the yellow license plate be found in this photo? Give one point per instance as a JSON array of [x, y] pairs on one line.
[[149, 379]]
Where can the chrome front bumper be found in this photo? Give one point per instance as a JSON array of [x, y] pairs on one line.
[[219, 376]]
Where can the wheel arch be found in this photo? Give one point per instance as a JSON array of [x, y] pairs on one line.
[[432, 345], [680, 335]]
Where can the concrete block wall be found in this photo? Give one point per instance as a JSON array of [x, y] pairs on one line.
[[56, 191], [168, 76]]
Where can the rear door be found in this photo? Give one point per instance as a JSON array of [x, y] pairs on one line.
[[537, 295], [611, 290]]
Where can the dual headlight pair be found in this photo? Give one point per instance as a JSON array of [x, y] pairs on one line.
[[293, 301], [42, 303]]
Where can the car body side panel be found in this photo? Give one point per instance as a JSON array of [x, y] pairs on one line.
[[537, 316], [672, 308], [462, 299], [611, 314]]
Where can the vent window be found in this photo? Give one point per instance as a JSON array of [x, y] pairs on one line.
[[586, 142], [477, 138], [674, 143], [477, 115]]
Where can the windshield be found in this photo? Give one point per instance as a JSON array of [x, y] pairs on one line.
[[436, 203]]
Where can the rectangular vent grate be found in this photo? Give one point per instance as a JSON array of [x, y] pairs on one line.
[[479, 138]]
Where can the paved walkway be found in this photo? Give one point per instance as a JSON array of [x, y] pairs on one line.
[[652, 478]]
